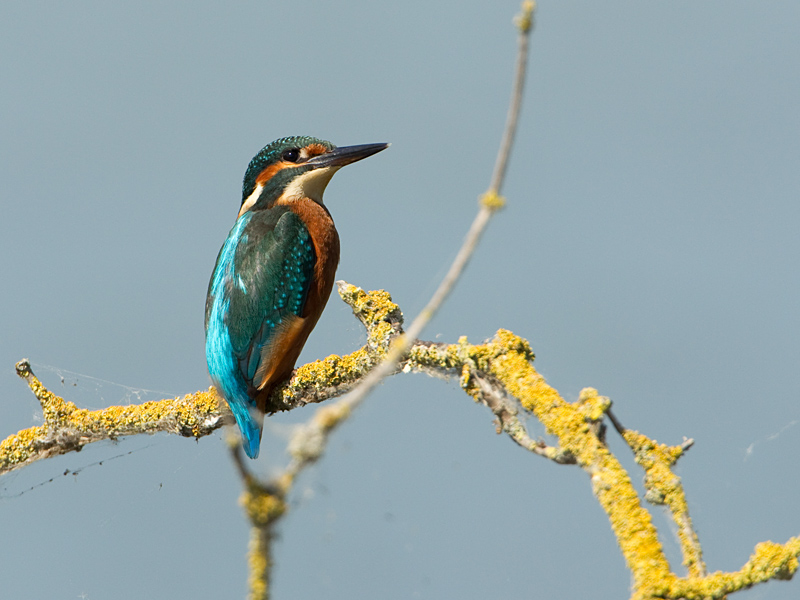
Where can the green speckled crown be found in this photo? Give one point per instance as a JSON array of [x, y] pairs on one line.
[[271, 153]]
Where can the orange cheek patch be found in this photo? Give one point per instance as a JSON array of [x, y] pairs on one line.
[[271, 170], [315, 149]]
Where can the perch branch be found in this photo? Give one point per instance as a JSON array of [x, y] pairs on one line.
[[68, 428], [500, 374]]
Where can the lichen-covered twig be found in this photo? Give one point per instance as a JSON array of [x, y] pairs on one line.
[[264, 505], [663, 487], [454, 360], [68, 428], [383, 321], [309, 440], [499, 373]]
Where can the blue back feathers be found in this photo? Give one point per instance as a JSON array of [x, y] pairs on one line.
[[259, 290], [261, 279]]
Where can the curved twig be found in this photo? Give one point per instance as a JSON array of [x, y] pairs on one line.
[[491, 201]]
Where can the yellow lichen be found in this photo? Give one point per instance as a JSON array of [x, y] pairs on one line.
[[591, 405], [769, 561], [611, 484], [524, 21], [259, 563], [328, 372], [492, 200], [371, 307], [508, 359], [261, 506], [16, 449]]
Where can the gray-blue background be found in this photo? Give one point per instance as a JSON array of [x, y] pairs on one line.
[[649, 249]]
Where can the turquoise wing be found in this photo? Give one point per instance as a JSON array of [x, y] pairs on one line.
[[261, 280]]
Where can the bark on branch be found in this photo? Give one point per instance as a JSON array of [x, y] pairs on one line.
[[498, 373]]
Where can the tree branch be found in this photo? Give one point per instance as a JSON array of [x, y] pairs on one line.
[[663, 487], [68, 428], [500, 374]]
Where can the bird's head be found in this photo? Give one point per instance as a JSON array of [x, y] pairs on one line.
[[296, 167]]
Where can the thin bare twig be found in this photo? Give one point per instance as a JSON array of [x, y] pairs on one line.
[[505, 409], [490, 203], [524, 23]]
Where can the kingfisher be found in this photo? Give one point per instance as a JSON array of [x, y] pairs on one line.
[[273, 275]]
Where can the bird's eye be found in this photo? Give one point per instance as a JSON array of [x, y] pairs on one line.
[[292, 155]]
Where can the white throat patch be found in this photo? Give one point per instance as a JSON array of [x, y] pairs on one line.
[[310, 185], [251, 199]]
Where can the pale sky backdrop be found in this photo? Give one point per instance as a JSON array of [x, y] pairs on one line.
[[649, 249]]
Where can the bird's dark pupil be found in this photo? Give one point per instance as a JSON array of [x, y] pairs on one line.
[[291, 155]]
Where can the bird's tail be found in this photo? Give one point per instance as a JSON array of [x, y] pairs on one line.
[[250, 423]]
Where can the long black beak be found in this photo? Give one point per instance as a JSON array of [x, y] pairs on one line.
[[339, 157]]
